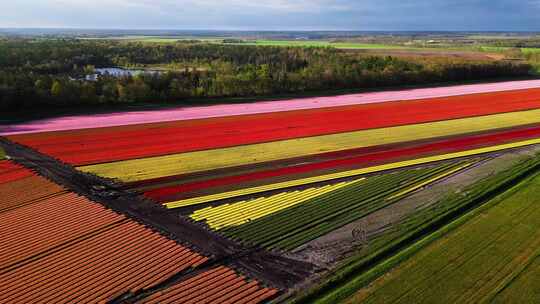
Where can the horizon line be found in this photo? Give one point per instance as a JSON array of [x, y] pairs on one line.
[[262, 30]]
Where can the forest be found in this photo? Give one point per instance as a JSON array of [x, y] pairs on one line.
[[51, 73]]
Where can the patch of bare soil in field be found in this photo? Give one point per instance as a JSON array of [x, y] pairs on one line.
[[470, 55], [329, 249]]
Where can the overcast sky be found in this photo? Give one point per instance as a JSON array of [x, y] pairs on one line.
[[513, 15]]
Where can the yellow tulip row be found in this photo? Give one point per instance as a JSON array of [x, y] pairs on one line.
[[170, 165], [357, 172], [242, 212], [238, 213], [249, 191]]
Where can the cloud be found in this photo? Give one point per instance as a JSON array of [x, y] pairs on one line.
[[285, 5], [276, 14], [260, 5]]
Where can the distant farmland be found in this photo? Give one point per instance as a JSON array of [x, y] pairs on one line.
[[322, 43], [261, 42], [352, 45]]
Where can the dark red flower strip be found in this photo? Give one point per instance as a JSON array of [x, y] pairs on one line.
[[387, 156]]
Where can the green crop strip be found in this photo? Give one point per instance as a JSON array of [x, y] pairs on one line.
[[297, 225]]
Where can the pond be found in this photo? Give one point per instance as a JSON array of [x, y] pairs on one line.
[[119, 72]]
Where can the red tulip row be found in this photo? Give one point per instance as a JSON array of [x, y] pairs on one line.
[[90, 146]]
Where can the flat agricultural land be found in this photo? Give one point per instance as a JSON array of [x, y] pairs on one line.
[[435, 53], [322, 43], [261, 42], [486, 256], [478, 52], [243, 203], [525, 288]]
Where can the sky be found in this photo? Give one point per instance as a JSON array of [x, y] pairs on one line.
[[384, 15]]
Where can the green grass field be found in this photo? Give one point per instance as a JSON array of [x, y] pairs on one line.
[[530, 50], [321, 43], [523, 289], [284, 43], [489, 256], [497, 49], [314, 43], [157, 39]]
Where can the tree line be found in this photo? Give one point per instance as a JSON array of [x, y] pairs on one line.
[[51, 73]]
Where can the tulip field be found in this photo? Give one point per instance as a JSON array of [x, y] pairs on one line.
[[262, 183], [291, 219], [224, 152], [60, 247], [135, 170]]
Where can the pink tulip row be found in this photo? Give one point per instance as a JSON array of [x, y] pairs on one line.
[[187, 113]]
